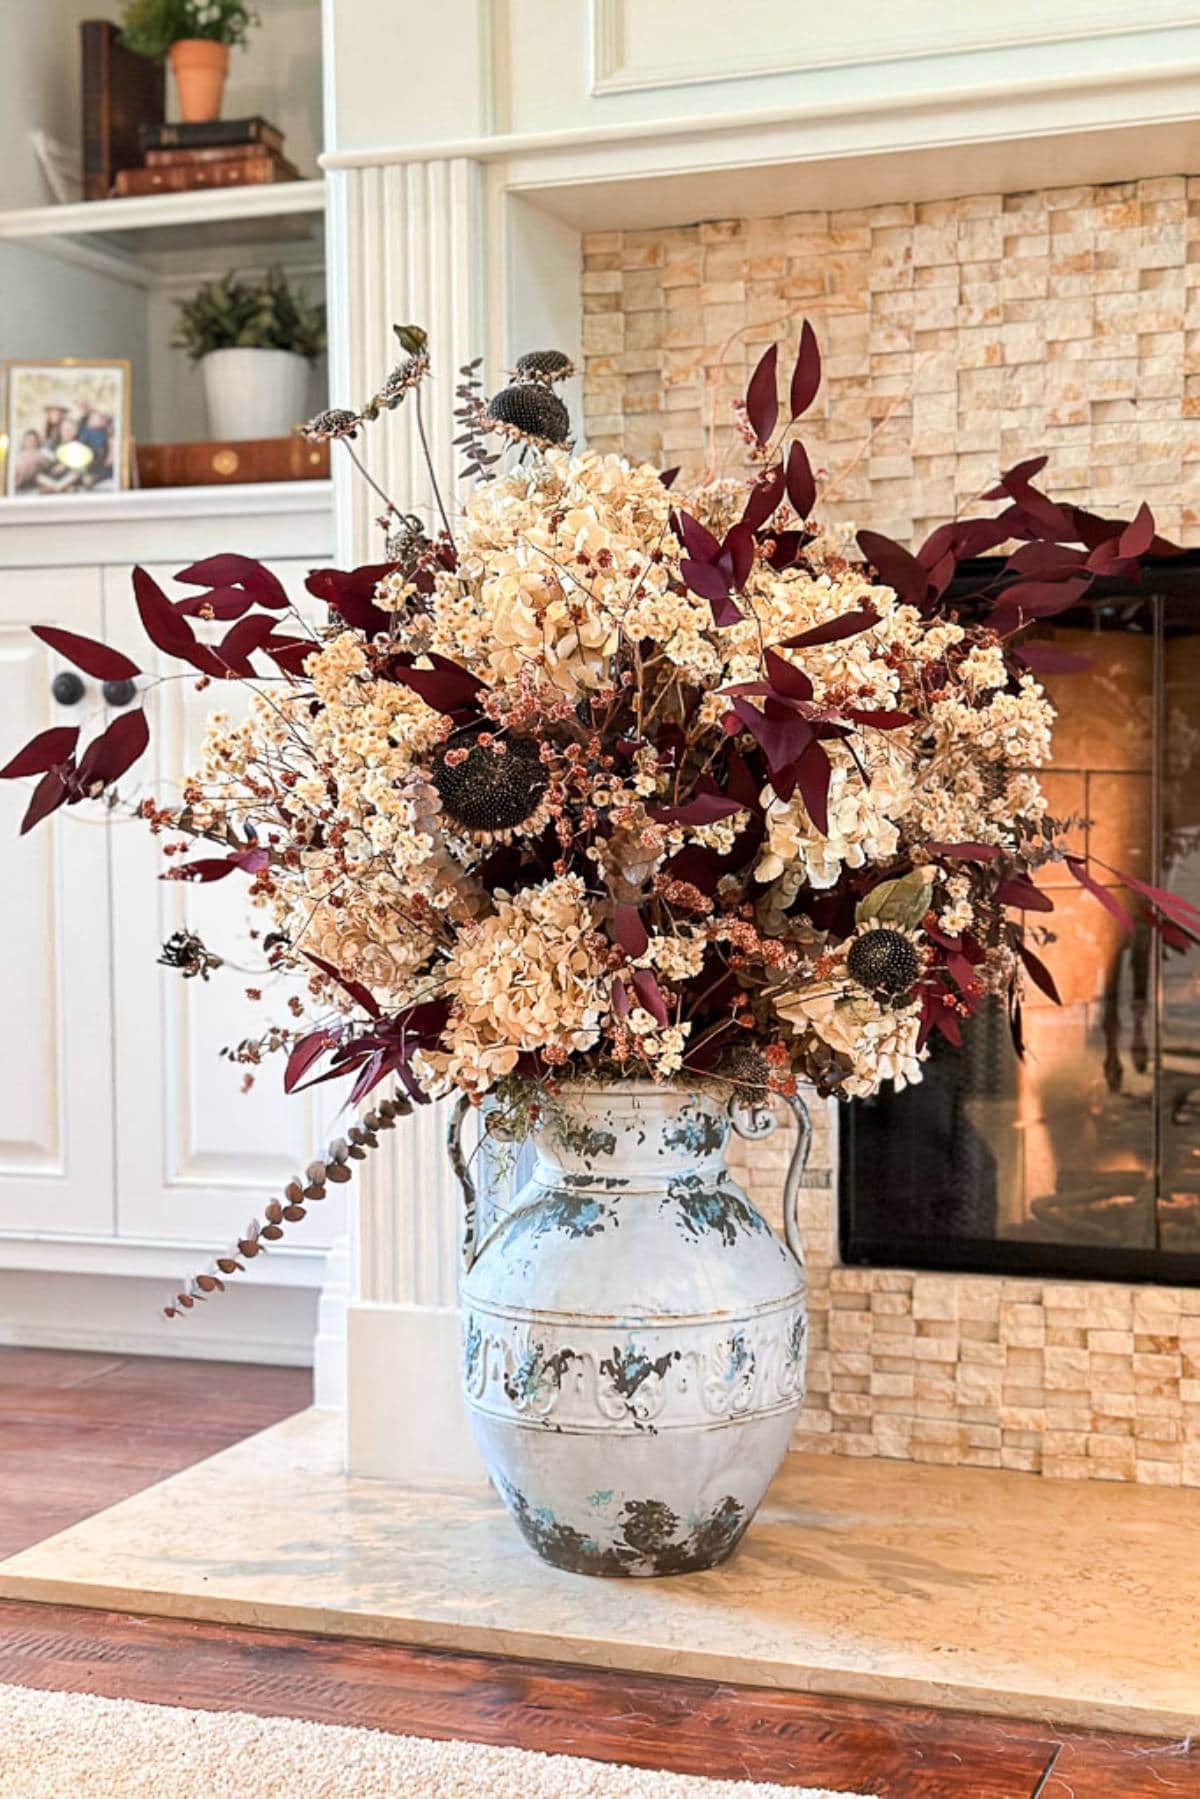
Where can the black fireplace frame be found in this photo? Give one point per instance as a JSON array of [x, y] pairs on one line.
[[859, 1244]]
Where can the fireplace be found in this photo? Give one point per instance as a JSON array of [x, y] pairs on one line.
[[1084, 1158]]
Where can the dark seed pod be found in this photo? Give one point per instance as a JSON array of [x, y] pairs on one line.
[[273, 1213], [491, 789], [272, 1232], [406, 543], [339, 1172], [544, 365], [293, 1214], [405, 375], [335, 422], [747, 1068], [883, 961], [531, 410]]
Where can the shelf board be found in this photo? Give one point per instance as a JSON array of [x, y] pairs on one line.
[[135, 231], [220, 499], [268, 519]]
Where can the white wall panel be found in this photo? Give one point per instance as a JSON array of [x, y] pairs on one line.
[[638, 44]]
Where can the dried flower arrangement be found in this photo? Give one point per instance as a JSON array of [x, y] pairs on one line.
[[602, 780]]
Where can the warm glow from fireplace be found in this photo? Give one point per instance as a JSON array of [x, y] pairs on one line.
[[1092, 1143]]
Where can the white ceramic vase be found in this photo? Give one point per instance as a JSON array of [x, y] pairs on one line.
[[255, 393], [633, 1332]]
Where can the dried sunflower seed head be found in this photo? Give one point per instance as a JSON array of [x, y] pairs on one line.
[[529, 413], [489, 788], [546, 366], [883, 961]]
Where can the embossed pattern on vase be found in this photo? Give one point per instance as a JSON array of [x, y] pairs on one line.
[[633, 1339]]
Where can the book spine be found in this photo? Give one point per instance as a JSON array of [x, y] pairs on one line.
[[211, 134], [186, 159], [251, 171], [95, 36], [257, 459]]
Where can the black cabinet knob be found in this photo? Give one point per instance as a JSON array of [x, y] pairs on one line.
[[68, 688], [119, 693]]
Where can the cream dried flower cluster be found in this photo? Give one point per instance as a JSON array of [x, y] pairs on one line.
[[597, 777], [619, 906]]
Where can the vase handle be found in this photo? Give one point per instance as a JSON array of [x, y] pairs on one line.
[[796, 1167], [754, 1120], [458, 1163]]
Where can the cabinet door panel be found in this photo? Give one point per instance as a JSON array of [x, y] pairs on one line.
[[197, 1155], [55, 1036]]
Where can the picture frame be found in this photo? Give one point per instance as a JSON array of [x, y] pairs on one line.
[[67, 425]]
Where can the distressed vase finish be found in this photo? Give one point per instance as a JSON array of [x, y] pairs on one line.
[[634, 1333]]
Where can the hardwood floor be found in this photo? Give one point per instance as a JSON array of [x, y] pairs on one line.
[[79, 1432]]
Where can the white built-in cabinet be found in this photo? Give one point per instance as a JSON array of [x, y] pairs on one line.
[[56, 1113], [127, 1145]]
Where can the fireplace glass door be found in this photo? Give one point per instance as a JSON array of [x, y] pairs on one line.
[[1084, 1157]]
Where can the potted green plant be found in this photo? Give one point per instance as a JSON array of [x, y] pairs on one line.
[[256, 341], [195, 36]]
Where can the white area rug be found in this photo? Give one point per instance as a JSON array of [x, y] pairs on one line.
[[58, 1744]]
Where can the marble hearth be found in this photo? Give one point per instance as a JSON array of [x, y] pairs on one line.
[[945, 1586]]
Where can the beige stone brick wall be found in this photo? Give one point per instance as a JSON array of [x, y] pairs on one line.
[[958, 337], [1082, 1380]]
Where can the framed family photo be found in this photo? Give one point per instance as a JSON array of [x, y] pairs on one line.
[[67, 425]]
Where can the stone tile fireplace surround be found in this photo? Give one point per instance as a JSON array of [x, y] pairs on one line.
[[1083, 1380], [959, 335]]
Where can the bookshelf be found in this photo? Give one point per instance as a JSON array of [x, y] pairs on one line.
[[100, 278]]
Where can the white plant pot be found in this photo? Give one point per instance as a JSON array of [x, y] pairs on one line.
[[255, 393]]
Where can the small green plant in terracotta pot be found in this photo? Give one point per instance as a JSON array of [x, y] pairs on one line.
[[195, 37], [256, 341]]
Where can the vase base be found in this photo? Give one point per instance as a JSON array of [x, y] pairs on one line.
[[650, 1539]]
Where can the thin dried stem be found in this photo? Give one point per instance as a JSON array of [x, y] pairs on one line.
[[291, 1209]]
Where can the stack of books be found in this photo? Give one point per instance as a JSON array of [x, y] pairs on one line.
[[219, 153]]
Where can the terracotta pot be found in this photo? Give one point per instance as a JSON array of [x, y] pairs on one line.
[[199, 66]]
